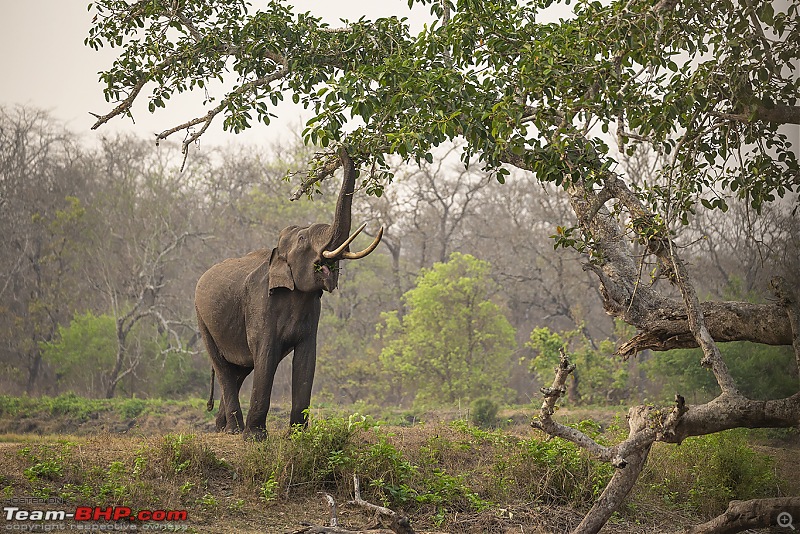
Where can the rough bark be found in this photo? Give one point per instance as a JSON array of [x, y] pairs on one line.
[[668, 327], [756, 513], [735, 411], [662, 321], [665, 323], [789, 301], [612, 497]]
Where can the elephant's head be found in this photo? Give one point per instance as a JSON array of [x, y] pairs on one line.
[[307, 258]]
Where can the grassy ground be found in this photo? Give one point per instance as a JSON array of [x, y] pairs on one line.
[[448, 476]]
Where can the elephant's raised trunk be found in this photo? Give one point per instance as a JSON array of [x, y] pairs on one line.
[[340, 229], [341, 220]]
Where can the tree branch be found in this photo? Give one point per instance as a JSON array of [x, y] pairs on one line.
[[789, 301], [324, 165], [667, 327], [206, 119], [400, 524], [712, 358]]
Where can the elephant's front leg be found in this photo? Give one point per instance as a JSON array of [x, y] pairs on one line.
[[266, 364], [303, 363]]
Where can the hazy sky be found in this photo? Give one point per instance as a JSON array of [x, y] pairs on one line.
[[45, 64]]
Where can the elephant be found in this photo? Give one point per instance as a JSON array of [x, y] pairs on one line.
[[254, 310]]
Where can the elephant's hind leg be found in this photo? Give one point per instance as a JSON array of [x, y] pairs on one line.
[[230, 377]]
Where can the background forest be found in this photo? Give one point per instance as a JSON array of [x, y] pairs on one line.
[[465, 298]]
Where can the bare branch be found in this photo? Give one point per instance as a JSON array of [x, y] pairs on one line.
[[789, 301], [712, 357], [125, 105], [206, 119], [332, 504], [399, 524]]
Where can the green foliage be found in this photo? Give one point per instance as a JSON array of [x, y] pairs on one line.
[[50, 468], [68, 405], [83, 351], [599, 376], [454, 342], [483, 412], [177, 375], [81, 409], [268, 489], [570, 476], [705, 473], [71, 405], [434, 472], [760, 371], [130, 408], [46, 466], [348, 368], [323, 447], [515, 88]]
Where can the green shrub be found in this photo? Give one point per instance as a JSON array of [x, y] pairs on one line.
[[182, 453], [319, 452], [483, 412], [12, 406], [130, 408], [704, 473], [72, 405]]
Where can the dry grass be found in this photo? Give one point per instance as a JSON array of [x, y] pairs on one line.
[[448, 477]]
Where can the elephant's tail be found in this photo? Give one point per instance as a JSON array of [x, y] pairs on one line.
[[210, 404]]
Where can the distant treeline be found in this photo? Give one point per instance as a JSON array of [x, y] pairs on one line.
[[103, 244]]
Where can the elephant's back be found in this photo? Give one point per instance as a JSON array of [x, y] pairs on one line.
[[221, 289]]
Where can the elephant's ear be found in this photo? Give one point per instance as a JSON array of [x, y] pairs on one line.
[[280, 274]]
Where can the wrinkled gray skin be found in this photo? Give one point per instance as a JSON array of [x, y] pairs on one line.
[[253, 311]]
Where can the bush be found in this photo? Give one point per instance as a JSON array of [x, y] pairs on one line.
[[704, 473], [483, 412], [131, 408]]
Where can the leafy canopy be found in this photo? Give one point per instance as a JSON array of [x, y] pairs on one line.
[[705, 85]]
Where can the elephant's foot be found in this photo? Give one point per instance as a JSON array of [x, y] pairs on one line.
[[255, 434], [229, 427], [219, 425]]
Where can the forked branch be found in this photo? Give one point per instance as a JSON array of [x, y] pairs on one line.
[[399, 524]]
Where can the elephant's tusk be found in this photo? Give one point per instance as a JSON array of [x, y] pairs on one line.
[[359, 255], [330, 254]]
